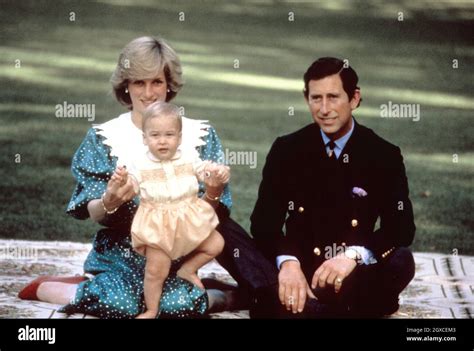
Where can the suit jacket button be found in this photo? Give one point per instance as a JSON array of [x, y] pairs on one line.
[[317, 251], [354, 223], [301, 209]]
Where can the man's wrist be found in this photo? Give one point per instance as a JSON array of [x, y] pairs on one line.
[[282, 258], [290, 263], [352, 254], [364, 255]]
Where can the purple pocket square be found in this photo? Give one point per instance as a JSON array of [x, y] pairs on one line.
[[359, 192]]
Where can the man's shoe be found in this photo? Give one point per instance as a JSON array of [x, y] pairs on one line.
[[379, 310], [315, 309], [29, 291]]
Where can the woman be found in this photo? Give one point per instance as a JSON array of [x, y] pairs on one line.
[[148, 70]]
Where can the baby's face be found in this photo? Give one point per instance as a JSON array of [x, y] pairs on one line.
[[162, 136]]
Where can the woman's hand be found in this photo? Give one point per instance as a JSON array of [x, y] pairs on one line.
[[216, 176], [120, 189]]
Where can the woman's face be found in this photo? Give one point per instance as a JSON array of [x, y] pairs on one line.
[[144, 92]]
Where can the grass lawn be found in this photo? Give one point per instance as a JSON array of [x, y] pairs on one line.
[[409, 61]]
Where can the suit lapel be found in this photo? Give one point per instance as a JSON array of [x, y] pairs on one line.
[[353, 144], [314, 151], [352, 157]]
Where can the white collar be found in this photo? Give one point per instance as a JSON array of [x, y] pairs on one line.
[[126, 139]]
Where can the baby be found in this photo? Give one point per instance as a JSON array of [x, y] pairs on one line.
[[171, 221]]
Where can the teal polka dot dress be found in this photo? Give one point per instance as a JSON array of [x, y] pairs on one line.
[[115, 289]]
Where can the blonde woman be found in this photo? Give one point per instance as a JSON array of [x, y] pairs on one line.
[[148, 70]]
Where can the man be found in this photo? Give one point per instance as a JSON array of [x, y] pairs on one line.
[[328, 183]]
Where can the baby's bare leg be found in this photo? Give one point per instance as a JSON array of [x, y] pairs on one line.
[[210, 248], [156, 271]]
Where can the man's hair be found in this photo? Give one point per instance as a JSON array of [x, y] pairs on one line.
[[327, 66]]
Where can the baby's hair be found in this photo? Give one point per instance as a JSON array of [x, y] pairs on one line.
[[161, 109]]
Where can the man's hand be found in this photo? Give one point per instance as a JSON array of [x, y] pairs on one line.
[[293, 287], [333, 272]]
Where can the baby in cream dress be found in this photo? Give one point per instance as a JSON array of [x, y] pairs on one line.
[[171, 221]]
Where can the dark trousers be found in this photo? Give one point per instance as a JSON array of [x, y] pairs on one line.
[[241, 258], [368, 292]]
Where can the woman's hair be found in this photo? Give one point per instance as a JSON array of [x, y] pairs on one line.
[[161, 109], [145, 58]]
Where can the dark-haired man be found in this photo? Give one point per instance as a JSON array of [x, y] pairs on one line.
[[328, 183]]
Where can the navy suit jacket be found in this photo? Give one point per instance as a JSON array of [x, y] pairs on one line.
[[300, 193]]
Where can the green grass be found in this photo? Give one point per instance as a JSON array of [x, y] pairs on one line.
[[404, 62]]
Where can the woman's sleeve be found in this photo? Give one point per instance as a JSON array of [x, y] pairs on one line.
[[213, 151], [91, 167]]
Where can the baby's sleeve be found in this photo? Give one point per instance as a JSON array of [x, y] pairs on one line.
[[134, 172]]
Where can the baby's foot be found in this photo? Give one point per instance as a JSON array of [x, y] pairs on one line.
[[149, 314], [190, 277]]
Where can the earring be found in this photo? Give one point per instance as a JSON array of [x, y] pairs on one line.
[[168, 90], [126, 90]]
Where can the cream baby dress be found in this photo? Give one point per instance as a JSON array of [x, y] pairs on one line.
[[171, 216]]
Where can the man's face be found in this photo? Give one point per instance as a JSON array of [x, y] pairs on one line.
[[330, 106]]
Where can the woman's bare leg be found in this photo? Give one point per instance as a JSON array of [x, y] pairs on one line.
[[55, 292], [206, 252], [156, 271]]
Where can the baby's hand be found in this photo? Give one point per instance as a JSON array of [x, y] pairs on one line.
[[120, 176]]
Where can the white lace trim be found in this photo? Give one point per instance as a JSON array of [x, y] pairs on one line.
[[126, 140]]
